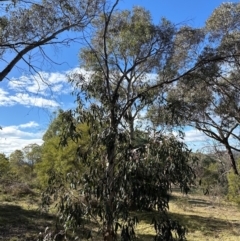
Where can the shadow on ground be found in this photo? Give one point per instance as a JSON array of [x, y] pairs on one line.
[[145, 237], [21, 224], [192, 201], [209, 226], [24, 225]]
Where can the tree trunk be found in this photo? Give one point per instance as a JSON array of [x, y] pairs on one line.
[[108, 233], [131, 127], [232, 159]]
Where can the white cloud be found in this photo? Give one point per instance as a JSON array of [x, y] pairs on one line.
[[3, 92], [57, 88], [41, 90], [9, 145], [29, 125], [45, 91], [13, 138], [194, 136], [6, 99], [27, 100], [42, 83]]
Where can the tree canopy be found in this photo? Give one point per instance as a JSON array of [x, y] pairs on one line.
[[30, 25], [208, 97], [126, 75]]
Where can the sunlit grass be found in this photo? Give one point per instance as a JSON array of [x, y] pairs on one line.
[[20, 219], [205, 218]]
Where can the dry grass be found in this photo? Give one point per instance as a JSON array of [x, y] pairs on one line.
[[206, 219], [20, 219]]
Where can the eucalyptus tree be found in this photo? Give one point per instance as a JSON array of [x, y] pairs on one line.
[[131, 63], [206, 108], [27, 26], [124, 56], [208, 98]]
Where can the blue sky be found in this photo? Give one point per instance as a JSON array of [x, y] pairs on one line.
[[27, 104]]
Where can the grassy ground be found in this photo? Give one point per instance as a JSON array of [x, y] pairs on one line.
[[206, 219], [20, 219]]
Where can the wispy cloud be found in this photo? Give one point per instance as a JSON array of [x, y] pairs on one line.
[[194, 136], [29, 125], [42, 83], [29, 100], [44, 89], [13, 137], [10, 99]]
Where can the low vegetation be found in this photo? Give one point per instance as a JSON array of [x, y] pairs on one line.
[[20, 218], [205, 217]]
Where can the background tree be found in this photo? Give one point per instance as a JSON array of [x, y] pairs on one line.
[[17, 164], [33, 155], [16, 158], [204, 106], [4, 163], [31, 25], [208, 98], [59, 159], [211, 172]]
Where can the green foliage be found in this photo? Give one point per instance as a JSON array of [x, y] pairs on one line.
[[127, 168], [4, 165], [17, 158], [20, 177], [22, 163], [229, 14], [58, 158], [233, 187], [211, 175], [32, 153], [207, 98], [143, 177], [14, 174], [55, 128], [166, 229], [142, 181]]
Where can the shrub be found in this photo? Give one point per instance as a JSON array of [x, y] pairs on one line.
[[233, 188]]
